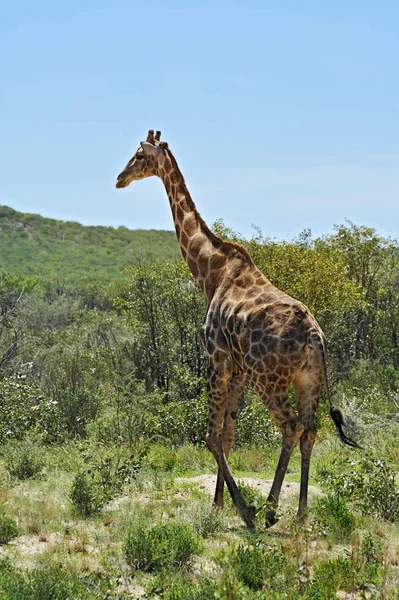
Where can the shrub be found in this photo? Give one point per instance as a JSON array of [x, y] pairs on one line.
[[369, 483], [207, 523], [203, 590], [8, 528], [77, 408], [160, 458], [260, 569], [372, 559], [24, 459], [334, 516], [54, 583], [107, 471], [329, 577], [250, 565], [161, 546], [86, 495], [23, 408]]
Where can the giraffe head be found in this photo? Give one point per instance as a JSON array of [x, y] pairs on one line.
[[145, 162]]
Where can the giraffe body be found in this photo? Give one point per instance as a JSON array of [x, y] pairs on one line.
[[253, 333]]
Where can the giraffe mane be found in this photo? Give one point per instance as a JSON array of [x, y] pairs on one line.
[[204, 226]]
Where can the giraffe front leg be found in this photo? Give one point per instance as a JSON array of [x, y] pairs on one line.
[[219, 377], [234, 394]]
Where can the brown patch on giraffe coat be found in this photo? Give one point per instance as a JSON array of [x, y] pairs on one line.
[[217, 261], [179, 213], [174, 178], [184, 239], [192, 264], [203, 264], [196, 244], [168, 187], [168, 167], [190, 224]]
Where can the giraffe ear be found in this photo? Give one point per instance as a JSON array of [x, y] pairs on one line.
[[150, 149]]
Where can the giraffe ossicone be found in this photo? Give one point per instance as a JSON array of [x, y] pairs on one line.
[[253, 333]]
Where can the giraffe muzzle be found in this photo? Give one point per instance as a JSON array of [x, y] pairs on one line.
[[120, 183]]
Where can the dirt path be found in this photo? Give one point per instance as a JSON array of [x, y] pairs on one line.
[[289, 491]]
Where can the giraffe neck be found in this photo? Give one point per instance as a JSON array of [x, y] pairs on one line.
[[202, 250]]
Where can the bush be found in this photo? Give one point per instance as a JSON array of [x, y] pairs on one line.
[[372, 556], [8, 528], [24, 459], [369, 483], [77, 408], [331, 576], [166, 545], [23, 408], [250, 566], [52, 583], [86, 495], [254, 424], [260, 569], [108, 469], [334, 516], [160, 458], [207, 523], [203, 590]]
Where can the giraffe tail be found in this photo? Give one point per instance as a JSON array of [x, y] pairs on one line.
[[338, 419], [335, 413]]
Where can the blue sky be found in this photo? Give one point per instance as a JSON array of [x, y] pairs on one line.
[[282, 114]]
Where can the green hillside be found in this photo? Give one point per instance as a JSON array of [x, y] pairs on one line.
[[33, 245]]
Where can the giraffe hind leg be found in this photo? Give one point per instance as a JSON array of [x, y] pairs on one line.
[[307, 387], [285, 417]]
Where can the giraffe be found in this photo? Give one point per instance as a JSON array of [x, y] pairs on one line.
[[253, 333]]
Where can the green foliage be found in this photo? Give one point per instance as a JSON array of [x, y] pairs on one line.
[[204, 590], [254, 425], [334, 516], [207, 523], [163, 546], [367, 482], [107, 470], [24, 459], [182, 422], [331, 576], [33, 245], [165, 310], [24, 408], [77, 408], [259, 568], [250, 565], [53, 583], [8, 528], [160, 458], [86, 495]]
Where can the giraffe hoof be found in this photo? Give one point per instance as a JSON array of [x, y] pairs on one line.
[[271, 518], [301, 517], [249, 516], [216, 509]]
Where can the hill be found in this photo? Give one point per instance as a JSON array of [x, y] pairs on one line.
[[34, 245]]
